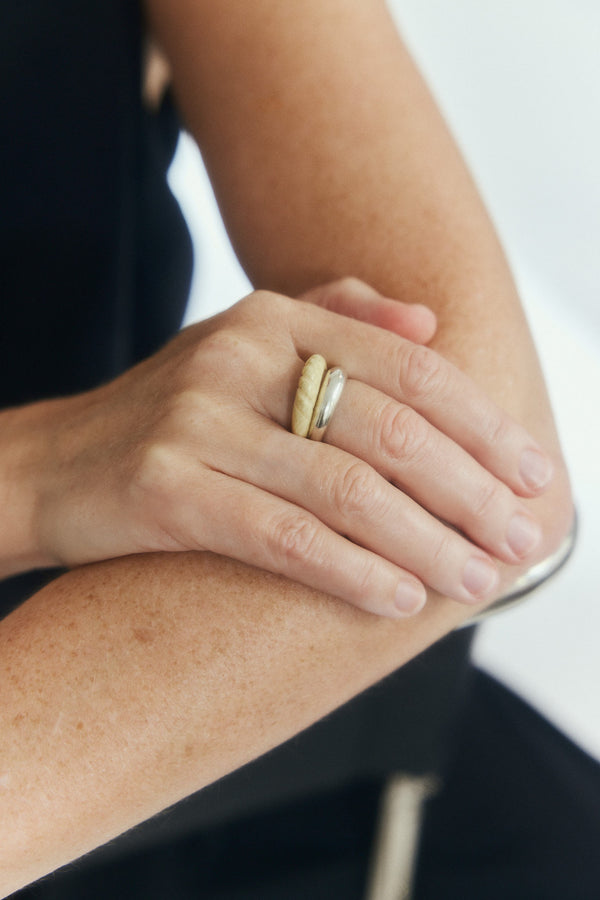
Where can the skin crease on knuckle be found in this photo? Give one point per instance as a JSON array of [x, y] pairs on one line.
[[354, 491], [296, 543], [400, 434], [422, 374], [293, 539]]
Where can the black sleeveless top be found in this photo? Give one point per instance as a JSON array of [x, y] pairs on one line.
[[95, 258]]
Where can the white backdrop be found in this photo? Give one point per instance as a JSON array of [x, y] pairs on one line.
[[519, 82]]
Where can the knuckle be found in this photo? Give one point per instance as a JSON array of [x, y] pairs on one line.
[[401, 433], [293, 538], [349, 284], [422, 373], [266, 305], [226, 356], [336, 294], [155, 470], [330, 294], [226, 344], [262, 319], [353, 491]]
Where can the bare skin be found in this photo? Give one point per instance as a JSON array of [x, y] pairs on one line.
[[128, 684], [186, 452]]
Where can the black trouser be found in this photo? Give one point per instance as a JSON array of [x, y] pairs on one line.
[[519, 816]]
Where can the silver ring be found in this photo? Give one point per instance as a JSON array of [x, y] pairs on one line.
[[329, 395]]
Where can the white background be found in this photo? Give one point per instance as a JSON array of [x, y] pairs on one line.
[[519, 83]]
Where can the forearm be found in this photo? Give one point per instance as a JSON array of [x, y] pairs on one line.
[[133, 683], [329, 158], [130, 684]]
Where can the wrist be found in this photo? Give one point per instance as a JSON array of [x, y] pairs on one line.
[[23, 462]]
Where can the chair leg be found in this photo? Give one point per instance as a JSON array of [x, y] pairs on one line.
[[397, 837]]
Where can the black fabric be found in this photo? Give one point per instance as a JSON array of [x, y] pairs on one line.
[[94, 255], [519, 813], [316, 848], [517, 816], [95, 258]]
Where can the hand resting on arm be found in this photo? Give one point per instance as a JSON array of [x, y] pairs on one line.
[[131, 683], [190, 450], [128, 684]]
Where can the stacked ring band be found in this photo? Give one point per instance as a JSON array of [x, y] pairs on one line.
[[329, 395], [309, 385], [319, 390]]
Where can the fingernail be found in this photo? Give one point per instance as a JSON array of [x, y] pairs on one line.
[[480, 577], [523, 534], [536, 469], [410, 597]]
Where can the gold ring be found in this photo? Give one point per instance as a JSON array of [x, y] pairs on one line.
[[307, 394]]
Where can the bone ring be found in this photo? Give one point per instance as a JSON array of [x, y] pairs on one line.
[[307, 393]]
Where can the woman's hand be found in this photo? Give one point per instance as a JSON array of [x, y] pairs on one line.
[[417, 482]]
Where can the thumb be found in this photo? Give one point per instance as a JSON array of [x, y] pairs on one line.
[[357, 300]]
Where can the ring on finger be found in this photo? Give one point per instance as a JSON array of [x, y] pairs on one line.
[[318, 393], [307, 393], [329, 395]]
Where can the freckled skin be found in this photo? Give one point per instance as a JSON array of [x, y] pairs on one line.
[[242, 660], [144, 635]]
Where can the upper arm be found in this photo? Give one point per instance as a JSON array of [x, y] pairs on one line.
[[316, 129]]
